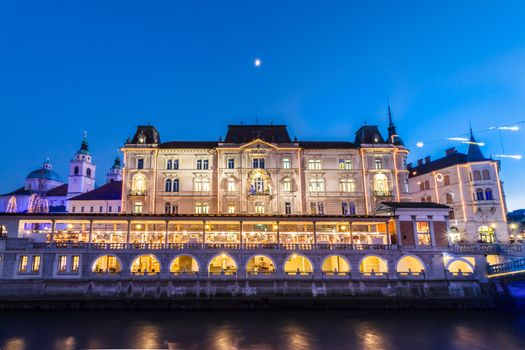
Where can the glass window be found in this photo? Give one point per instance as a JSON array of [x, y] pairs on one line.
[[477, 175], [314, 164], [488, 194], [175, 164], [199, 164], [35, 266], [100, 209], [167, 208], [479, 194], [140, 163], [110, 209], [486, 174], [75, 263], [81, 209], [169, 164], [258, 163], [22, 266], [231, 185], [381, 185], [446, 180], [231, 209], [62, 263], [259, 208], [205, 163], [175, 209], [378, 163], [287, 185], [423, 232], [449, 198], [231, 163], [316, 185], [347, 185], [167, 187], [288, 208], [201, 208], [348, 208], [345, 164], [176, 185], [427, 185], [287, 163], [137, 208], [91, 209], [202, 185]]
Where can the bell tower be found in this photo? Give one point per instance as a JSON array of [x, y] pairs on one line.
[[81, 171]]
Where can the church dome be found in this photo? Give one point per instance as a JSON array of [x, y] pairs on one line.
[[44, 173]]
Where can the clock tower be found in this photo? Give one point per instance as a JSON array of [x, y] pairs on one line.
[[81, 171]]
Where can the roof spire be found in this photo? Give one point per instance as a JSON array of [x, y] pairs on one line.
[[393, 137], [474, 151], [390, 122], [84, 149]]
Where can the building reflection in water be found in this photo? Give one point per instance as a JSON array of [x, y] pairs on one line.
[[15, 344], [296, 337], [147, 336], [370, 337], [68, 343]]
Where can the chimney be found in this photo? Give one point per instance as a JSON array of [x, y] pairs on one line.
[[450, 151], [409, 166], [420, 162], [427, 160]]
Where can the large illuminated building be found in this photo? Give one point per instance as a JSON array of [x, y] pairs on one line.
[[469, 183], [259, 169]]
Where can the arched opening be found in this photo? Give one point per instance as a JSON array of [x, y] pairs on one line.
[[260, 265], [167, 185], [222, 264], [145, 265], [88, 172], [486, 174], [477, 175], [373, 266], [479, 194], [138, 183], [449, 198], [184, 265], [107, 264], [380, 184], [298, 265], [488, 194], [410, 265], [460, 267], [335, 265]]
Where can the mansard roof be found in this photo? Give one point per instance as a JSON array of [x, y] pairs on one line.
[[247, 133], [150, 133], [326, 144], [368, 134], [189, 144], [110, 191]]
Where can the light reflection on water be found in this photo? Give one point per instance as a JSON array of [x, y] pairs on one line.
[[261, 330]]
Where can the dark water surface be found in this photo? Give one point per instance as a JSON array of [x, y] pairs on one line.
[[266, 330]]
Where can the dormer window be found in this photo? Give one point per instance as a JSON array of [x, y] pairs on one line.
[[141, 138]]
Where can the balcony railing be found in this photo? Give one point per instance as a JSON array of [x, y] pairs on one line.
[[488, 248], [138, 192], [382, 193]]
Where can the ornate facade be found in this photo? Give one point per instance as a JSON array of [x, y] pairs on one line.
[[259, 169]]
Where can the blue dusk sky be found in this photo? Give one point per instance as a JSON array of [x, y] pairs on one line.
[[187, 67]]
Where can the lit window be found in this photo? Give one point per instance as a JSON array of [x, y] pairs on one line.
[[317, 208], [287, 185], [137, 208], [22, 266], [286, 163], [345, 164], [381, 185], [259, 208], [167, 208], [258, 163], [314, 164], [202, 185], [62, 263], [231, 209], [35, 266], [423, 232], [316, 185], [138, 184], [201, 208], [231, 185], [231, 163], [348, 208], [75, 263], [347, 185]]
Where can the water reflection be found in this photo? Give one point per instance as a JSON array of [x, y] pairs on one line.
[[260, 330]]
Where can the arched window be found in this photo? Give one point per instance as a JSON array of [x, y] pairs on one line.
[[429, 199], [449, 198], [222, 264], [145, 264], [107, 264], [488, 194], [76, 171], [423, 199], [477, 175], [335, 265], [260, 265], [479, 194], [184, 265], [88, 172], [258, 184], [459, 267], [298, 265], [373, 265], [380, 184], [139, 183], [410, 265], [176, 185], [167, 186], [287, 185], [421, 186], [486, 174], [446, 180]]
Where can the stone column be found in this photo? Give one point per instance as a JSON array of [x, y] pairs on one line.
[[166, 237], [128, 232], [240, 234], [431, 227]]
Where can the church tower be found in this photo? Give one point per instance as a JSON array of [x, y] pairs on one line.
[[81, 171], [115, 173]]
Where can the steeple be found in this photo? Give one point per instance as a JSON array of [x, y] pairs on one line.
[[115, 172], [84, 145], [393, 137], [474, 151]]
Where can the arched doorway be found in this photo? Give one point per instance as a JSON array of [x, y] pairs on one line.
[[460, 267], [410, 265], [107, 264], [145, 265], [373, 265], [335, 265], [298, 265], [260, 265], [184, 265], [222, 264]]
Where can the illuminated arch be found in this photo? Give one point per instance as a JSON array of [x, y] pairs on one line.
[[260, 264], [410, 264], [373, 264], [184, 264], [138, 183], [145, 264], [335, 264], [380, 183], [297, 264], [107, 264], [459, 265], [222, 264]]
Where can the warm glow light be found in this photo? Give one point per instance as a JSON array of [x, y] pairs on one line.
[[343, 228], [275, 227], [69, 226], [223, 255], [474, 143], [419, 144], [138, 226], [513, 156], [294, 256], [207, 226], [457, 139]]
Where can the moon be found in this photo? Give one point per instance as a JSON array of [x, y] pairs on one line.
[[257, 62]]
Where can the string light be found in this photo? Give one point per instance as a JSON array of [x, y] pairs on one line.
[[512, 156]]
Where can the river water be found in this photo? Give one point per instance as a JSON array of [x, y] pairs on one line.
[[265, 330]]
